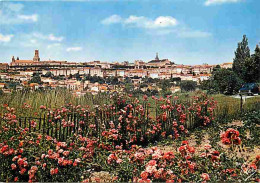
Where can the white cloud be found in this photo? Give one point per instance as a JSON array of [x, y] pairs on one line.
[[212, 2], [162, 32], [53, 45], [23, 40], [33, 41], [53, 38], [165, 21], [49, 37], [112, 19], [141, 21], [193, 34], [6, 38], [11, 13], [161, 25], [74, 49], [16, 7], [36, 39], [135, 19], [32, 18], [182, 33]]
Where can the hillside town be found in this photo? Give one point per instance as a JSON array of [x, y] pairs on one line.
[[96, 76]]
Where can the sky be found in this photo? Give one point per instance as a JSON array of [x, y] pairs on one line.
[[184, 31]]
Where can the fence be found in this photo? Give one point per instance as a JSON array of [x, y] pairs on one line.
[[94, 123], [51, 125]]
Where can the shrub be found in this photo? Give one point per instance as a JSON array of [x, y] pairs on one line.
[[188, 85], [223, 81]]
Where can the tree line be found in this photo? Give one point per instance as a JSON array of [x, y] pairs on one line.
[[245, 69]]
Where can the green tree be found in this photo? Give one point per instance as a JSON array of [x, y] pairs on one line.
[[114, 81], [77, 76], [177, 80], [48, 74], [242, 54], [188, 85], [249, 74], [36, 78], [166, 85], [70, 76], [223, 81], [143, 85], [129, 87], [216, 68], [254, 66], [127, 80]]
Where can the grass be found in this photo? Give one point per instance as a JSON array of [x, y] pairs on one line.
[[228, 107], [51, 99]]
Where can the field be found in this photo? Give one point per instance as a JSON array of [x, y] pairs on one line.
[[57, 98], [55, 136]]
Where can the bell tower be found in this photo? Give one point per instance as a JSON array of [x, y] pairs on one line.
[[36, 57], [157, 57], [13, 59]]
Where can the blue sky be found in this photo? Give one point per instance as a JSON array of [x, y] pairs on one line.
[[185, 31]]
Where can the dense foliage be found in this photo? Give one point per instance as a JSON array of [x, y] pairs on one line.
[[223, 81], [242, 55], [252, 65], [246, 69], [188, 85], [36, 78]]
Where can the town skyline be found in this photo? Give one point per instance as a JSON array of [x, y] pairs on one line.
[[156, 56], [127, 30]]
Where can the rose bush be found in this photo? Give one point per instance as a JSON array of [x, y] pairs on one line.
[[34, 157], [69, 148], [230, 137]]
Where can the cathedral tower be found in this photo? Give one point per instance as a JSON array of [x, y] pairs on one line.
[[36, 57]]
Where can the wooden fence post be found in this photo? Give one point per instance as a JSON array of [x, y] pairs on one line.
[[241, 103]]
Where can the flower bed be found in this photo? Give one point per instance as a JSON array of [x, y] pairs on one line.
[[126, 121], [111, 142], [33, 157]]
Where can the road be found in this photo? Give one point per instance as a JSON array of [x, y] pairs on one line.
[[244, 96]]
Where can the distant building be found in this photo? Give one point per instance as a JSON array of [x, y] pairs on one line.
[[96, 71], [2, 85], [18, 62], [36, 61], [100, 64], [202, 69], [139, 64], [4, 66], [64, 74], [141, 73], [36, 57], [159, 63], [182, 69], [226, 65]]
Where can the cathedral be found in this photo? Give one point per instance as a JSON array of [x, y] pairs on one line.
[[159, 63], [36, 61], [18, 62]]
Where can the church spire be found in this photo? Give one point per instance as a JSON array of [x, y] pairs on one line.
[[156, 58]]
